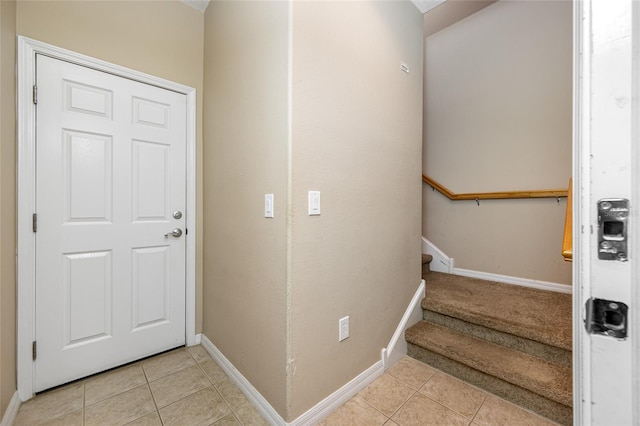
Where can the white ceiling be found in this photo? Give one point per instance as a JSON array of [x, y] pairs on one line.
[[426, 5], [423, 5], [200, 5], [450, 12], [437, 18]]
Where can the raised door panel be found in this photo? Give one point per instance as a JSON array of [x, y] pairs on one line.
[[150, 181], [86, 99], [148, 112], [88, 171], [87, 289], [150, 286]]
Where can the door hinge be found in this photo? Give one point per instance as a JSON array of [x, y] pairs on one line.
[[34, 350], [34, 222], [35, 94]]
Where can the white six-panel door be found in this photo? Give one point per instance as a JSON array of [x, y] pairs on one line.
[[110, 176]]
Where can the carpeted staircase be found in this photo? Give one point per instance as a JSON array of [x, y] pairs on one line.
[[513, 341]]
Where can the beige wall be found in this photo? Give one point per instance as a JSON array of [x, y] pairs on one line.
[[275, 288], [246, 128], [7, 206], [357, 139], [498, 105], [161, 38]]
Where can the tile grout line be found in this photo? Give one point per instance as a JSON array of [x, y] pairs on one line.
[[84, 403], [404, 403], [475, 414], [233, 413], [397, 409], [414, 393], [153, 398], [471, 418], [227, 402], [184, 397], [486, 396], [370, 405], [436, 371]]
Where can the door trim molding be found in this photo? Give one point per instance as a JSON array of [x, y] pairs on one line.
[[27, 50], [581, 189]]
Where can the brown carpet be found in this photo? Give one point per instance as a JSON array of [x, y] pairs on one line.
[[545, 378], [538, 315]]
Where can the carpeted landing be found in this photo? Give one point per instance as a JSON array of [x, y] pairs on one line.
[[512, 341]]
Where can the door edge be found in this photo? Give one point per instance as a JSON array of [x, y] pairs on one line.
[[581, 191]]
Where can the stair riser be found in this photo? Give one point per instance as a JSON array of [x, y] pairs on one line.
[[523, 397], [540, 350], [529, 313], [426, 261]]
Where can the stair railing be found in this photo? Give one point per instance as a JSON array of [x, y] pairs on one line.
[[567, 241], [477, 196]]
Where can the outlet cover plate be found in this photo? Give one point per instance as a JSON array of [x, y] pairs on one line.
[[343, 328]]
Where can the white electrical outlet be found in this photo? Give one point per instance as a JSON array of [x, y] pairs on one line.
[[343, 328]]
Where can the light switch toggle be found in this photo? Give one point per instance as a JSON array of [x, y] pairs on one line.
[[314, 203], [268, 205]]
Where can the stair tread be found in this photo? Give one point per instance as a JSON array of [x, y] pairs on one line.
[[548, 379], [426, 258], [539, 315]]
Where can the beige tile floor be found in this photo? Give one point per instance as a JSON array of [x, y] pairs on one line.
[[413, 394], [181, 387], [186, 387]]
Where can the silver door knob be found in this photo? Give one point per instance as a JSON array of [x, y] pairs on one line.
[[175, 233]]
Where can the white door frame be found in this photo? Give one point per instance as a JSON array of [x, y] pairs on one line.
[[27, 50], [606, 130], [580, 104]]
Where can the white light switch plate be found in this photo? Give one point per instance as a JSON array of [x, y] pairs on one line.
[[314, 203], [268, 205]]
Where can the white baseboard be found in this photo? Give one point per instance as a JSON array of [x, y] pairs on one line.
[[339, 397], [261, 404], [12, 411], [397, 347], [443, 263], [313, 415], [523, 282]]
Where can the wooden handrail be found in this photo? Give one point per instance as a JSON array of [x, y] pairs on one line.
[[540, 193], [567, 240]]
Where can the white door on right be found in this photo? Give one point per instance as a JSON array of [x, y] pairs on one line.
[[606, 213]]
